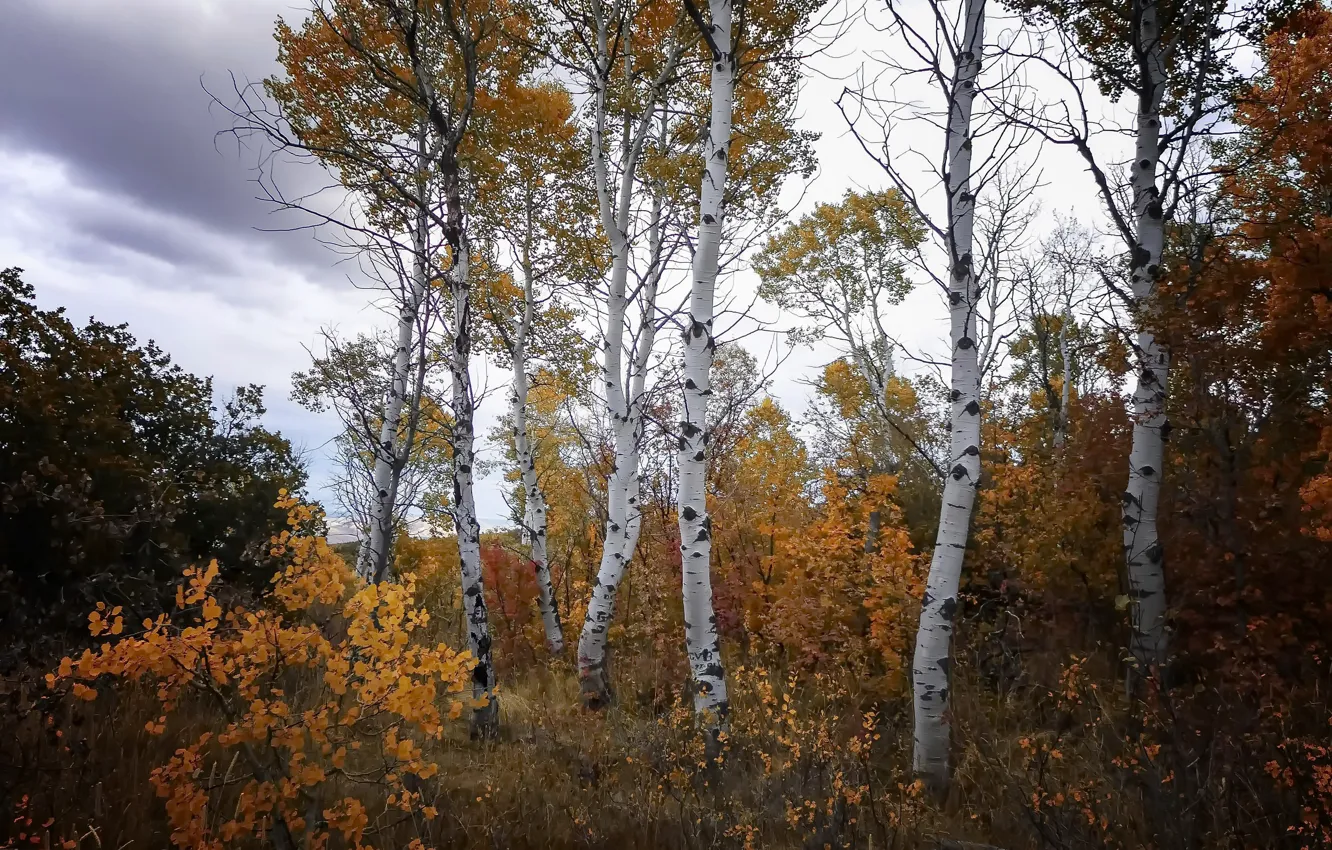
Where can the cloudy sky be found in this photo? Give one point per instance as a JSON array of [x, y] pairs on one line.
[[121, 201]]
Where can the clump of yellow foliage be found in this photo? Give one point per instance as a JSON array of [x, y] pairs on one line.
[[325, 696]]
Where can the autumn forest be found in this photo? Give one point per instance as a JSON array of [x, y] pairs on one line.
[[1063, 581]]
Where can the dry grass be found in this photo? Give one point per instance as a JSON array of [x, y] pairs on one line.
[[1037, 766]]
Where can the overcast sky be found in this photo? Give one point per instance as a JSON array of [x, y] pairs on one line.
[[120, 200]]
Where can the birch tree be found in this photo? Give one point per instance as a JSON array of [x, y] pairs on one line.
[[379, 151], [363, 78], [627, 54], [711, 703], [752, 58], [394, 445], [933, 639], [1169, 62], [984, 197]]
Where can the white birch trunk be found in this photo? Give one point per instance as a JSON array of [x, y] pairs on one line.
[[705, 662], [1143, 554], [624, 511], [593, 672], [623, 398], [930, 668], [534, 521], [372, 559], [485, 720]]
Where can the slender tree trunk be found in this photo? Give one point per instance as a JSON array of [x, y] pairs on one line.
[[623, 398], [535, 514], [593, 668], [375, 554], [485, 718], [705, 661], [1065, 391], [1143, 555], [624, 511], [930, 668]]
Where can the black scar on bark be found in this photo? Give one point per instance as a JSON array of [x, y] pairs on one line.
[[927, 600], [1155, 552], [700, 457], [463, 467], [971, 451], [383, 494], [1141, 257], [707, 219], [965, 343], [949, 608], [972, 408], [955, 395], [1154, 210], [479, 676], [684, 444], [945, 664], [614, 527], [702, 535], [954, 298], [689, 513], [1166, 428], [959, 472], [1147, 471], [943, 695], [1144, 164], [714, 670], [690, 385], [473, 590], [962, 267]]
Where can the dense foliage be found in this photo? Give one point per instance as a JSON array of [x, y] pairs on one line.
[[118, 468]]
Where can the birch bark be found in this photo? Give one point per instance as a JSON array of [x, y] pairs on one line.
[[1143, 554], [930, 668], [535, 514], [485, 718], [623, 397], [705, 662], [374, 555]]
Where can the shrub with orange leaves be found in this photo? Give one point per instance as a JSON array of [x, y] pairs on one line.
[[833, 599], [328, 696]]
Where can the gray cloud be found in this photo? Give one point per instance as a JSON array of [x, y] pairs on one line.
[[114, 91]]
